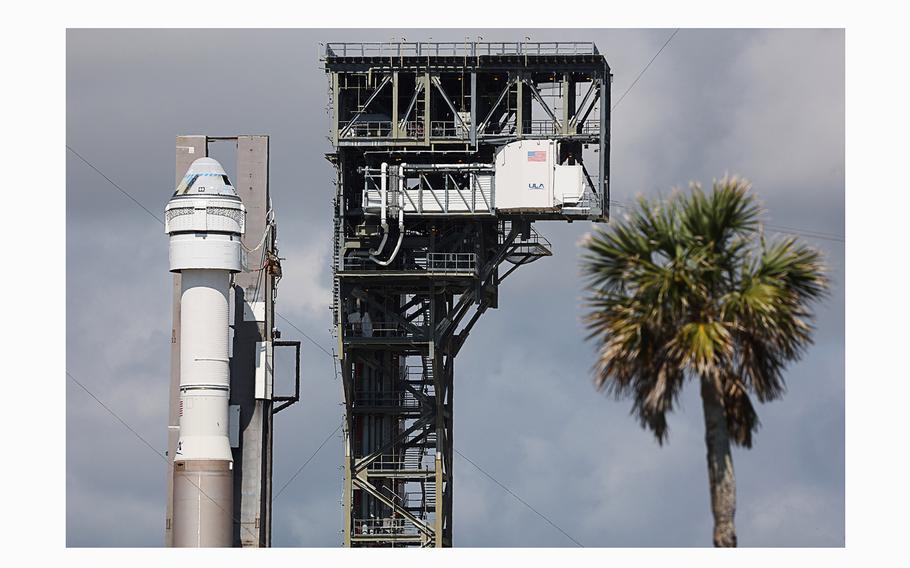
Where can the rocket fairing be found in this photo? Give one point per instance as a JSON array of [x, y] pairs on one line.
[[205, 221]]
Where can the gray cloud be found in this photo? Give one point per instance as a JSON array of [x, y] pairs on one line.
[[766, 104]]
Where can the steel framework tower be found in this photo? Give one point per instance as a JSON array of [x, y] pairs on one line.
[[446, 153]]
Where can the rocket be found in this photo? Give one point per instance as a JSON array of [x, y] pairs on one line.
[[205, 221]]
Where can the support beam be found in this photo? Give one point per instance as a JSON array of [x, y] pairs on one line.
[[591, 106], [592, 88], [520, 99], [543, 104], [336, 99], [372, 490], [347, 128], [604, 147], [396, 128], [426, 108], [253, 325], [474, 108], [449, 103], [348, 483], [505, 91], [418, 87], [568, 102]]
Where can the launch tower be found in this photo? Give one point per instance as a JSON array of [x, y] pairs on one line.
[[446, 155]]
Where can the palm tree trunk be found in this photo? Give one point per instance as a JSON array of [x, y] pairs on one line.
[[720, 465]]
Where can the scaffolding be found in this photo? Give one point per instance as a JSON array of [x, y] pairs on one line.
[[420, 245]]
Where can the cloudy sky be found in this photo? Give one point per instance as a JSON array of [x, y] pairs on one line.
[[765, 104]]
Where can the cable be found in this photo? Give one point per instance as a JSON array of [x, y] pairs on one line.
[[155, 217], [265, 233], [807, 235], [115, 415], [303, 466], [313, 341], [313, 455], [774, 228], [520, 500], [260, 280], [806, 232], [645, 69], [157, 453], [812, 234], [301, 332], [123, 191]]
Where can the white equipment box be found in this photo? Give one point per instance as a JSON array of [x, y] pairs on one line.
[[529, 179]]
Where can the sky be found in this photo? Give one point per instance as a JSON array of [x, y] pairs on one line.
[[766, 104]]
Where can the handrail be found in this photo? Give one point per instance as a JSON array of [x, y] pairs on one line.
[[447, 129], [457, 48], [534, 238], [388, 525], [399, 464], [452, 129], [547, 127], [370, 128], [448, 262], [383, 329], [432, 262]]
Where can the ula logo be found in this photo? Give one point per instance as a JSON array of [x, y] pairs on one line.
[[535, 186]]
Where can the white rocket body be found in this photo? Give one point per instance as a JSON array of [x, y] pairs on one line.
[[205, 220]]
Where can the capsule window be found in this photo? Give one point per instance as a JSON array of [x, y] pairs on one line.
[[186, 184]]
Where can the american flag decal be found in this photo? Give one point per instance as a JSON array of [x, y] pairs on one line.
[[537, 156]]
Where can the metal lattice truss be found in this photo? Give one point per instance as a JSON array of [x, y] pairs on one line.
[[398, 384], [502, 118], [420, 247]]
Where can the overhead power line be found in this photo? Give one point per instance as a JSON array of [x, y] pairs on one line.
[[155, 451], [809, 233], [155, 217], [313, 455], [324, 350], [519, 499], [642, 72], [301, 332], [110, 181], [117, 416], [289, 322], [775, 228], [330, 354], [806, 232]]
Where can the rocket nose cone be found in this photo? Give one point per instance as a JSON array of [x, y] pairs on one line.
[[204, 177], [206, 165]]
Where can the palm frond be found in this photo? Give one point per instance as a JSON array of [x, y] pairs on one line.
[[687, 287]]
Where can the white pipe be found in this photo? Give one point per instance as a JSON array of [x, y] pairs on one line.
[[384, 223], [383, 187], [453, 167], [400, 221]]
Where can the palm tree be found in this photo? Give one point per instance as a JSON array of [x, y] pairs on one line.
[[686, 288]]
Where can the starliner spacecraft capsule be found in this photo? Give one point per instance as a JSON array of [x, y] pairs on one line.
[[205, 220]]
